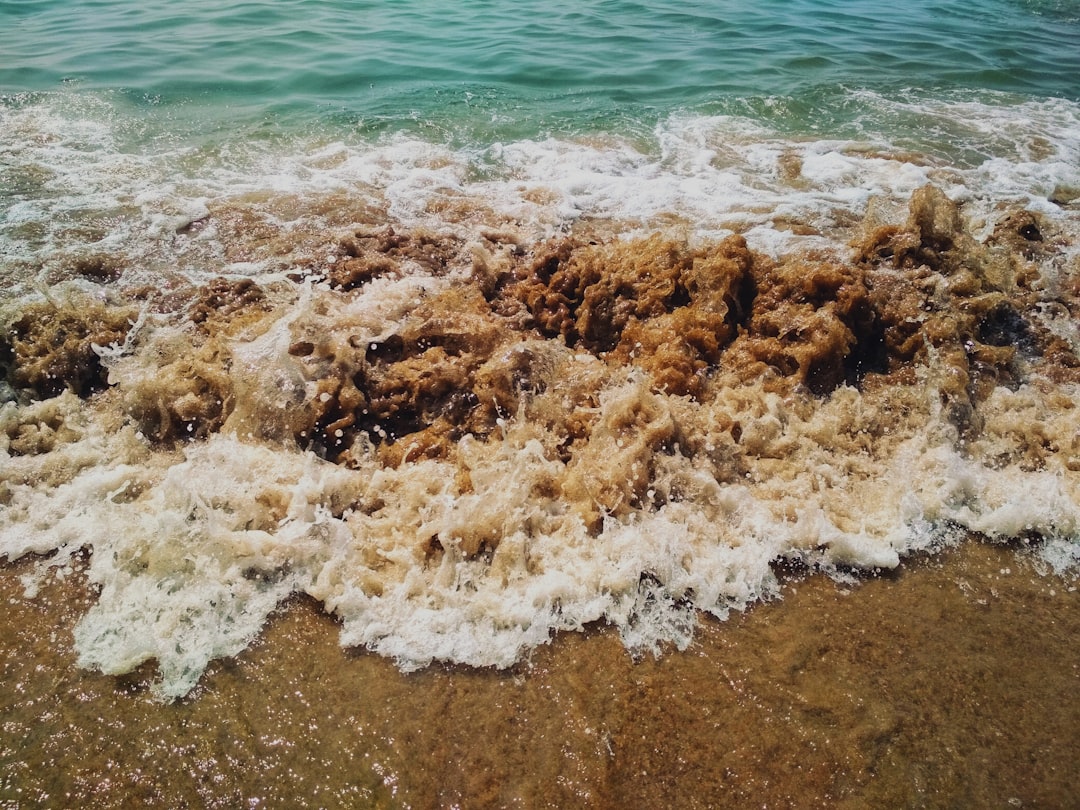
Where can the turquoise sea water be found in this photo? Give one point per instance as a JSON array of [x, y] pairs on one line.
[[360, 60], [503, 69], [307, 53]]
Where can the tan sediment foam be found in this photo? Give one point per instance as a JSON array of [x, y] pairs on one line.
[[461, 446], [945, 684]]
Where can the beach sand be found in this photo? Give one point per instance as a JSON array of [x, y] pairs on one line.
[[948, 683]]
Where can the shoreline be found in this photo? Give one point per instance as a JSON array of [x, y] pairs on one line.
[[473, 408], [938, 685]]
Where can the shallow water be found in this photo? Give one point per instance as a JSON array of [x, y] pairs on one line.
[[941, 686]]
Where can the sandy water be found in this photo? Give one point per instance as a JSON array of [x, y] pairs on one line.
[[944, 685]]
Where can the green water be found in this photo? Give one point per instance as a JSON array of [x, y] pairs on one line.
[[522, 67]]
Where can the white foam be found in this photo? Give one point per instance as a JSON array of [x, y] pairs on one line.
[[193, 555], [92, 185]]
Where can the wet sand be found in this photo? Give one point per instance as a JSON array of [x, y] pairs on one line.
[[949, 683]]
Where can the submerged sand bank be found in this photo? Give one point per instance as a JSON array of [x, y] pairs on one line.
[[946, 684]]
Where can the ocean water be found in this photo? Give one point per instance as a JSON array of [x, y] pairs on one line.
[[484, 321]]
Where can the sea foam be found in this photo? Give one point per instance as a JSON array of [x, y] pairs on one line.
[[470, 397]]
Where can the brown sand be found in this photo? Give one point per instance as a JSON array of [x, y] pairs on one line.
[[950, 683]]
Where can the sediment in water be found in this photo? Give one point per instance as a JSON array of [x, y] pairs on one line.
[[460, 443], [940, 685]]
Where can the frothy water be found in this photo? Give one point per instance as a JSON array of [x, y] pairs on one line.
[[615, 334]]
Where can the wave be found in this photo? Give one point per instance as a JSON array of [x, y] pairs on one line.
[[467, 397]]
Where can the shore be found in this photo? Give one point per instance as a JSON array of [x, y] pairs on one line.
[[945, 684]]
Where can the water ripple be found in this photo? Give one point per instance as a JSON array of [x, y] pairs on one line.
[[326, 51]]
